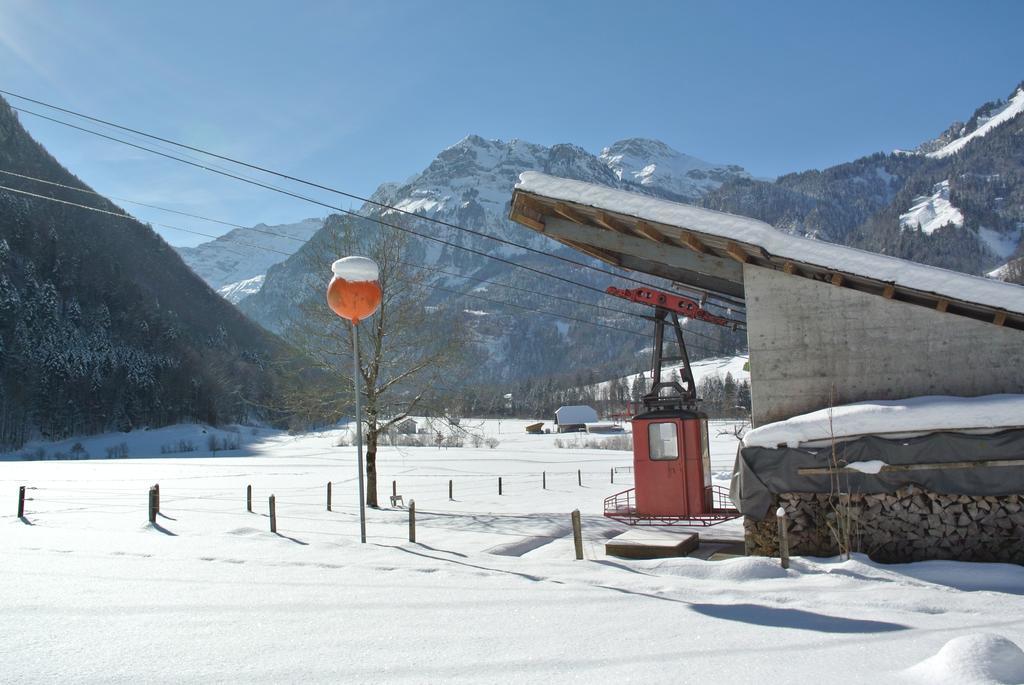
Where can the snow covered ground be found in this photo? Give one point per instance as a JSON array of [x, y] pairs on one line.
[[934, 211], [489, 593]]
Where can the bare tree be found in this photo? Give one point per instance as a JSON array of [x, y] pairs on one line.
[[406, 348]]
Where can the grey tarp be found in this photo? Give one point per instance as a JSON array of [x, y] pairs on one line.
[[762, 472]]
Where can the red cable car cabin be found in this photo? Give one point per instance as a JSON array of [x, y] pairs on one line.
[[671, 463], [671, 455]]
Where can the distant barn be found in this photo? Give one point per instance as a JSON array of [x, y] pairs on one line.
[[406, 427], [574, 418]]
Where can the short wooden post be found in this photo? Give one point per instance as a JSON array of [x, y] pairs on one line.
[[328, 495], [21, 502], [157, 488], [273, 515], [248, 498], [412, 520], [780, 514], [579, 477], [394, 490], [611, 475], [152, 504], [577, 533], [499, 485], [544, 480], [451, 496]]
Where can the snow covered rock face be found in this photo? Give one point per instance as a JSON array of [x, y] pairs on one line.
[[235, 263], [653, 164], [981, 659], [987, 118], [470, 184]]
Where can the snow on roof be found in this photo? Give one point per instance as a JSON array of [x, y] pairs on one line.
[[950, 284], [573, 414], [927, 414]]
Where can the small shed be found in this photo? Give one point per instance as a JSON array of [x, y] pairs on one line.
[[406, 427], [575, 417], [535, 428]]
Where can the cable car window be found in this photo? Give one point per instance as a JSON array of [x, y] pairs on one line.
[[663, 439]]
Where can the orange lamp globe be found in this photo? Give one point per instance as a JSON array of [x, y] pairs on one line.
[[354, 292]]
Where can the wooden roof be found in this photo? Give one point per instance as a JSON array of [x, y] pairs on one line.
[[707, 261]]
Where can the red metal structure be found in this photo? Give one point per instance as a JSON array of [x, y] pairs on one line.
[[671, 457]]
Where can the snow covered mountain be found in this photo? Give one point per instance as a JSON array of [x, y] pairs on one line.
[[956, 201], [653, 164], [470, 184], [235, 263], [985, 119]]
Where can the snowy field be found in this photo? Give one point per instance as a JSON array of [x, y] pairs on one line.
[[489, 593]]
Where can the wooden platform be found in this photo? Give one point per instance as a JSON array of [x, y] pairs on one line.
[[651, 544]]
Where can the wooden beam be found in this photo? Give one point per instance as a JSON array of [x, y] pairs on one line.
[[694, 243], [535, 224], [889, 292], [707, 272], [789, 268], [567, 212], [837, 279], [650, 232], [942, 305], [605, 221], [1000, 318], [594, 252], [737, 253]]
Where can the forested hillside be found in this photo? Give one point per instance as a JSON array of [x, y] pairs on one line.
[[102, 326], [955, 202]]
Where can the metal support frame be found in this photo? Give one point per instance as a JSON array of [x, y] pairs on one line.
[[622, 507]]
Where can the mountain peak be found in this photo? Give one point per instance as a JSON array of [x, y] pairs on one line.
[[652, 163]]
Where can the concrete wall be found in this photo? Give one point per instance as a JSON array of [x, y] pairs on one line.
[[806, 337]]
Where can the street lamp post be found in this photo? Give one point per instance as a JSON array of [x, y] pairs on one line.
[[355, 294]]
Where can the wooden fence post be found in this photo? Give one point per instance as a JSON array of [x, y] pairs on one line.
[[611, 474], [328, 495], [499, 485], [451, 497], [248, 498], [412, 520], [544, 480], [273, 515], [394, 491], [579, 477], [21, 502], [152, 504], [780, 514], [157, 488], [577, 533]]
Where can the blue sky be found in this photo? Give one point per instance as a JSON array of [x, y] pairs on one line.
[[355, 93]]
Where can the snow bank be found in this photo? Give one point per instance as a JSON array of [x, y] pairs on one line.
[[913, 415], [356, 269], [981, 659], [928, 279]]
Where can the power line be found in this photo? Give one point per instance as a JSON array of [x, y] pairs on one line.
[[129, 217], [313, 184], [498, 302], [321, 203], [281, 235]]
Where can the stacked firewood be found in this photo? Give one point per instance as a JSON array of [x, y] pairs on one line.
[[911, 524]]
